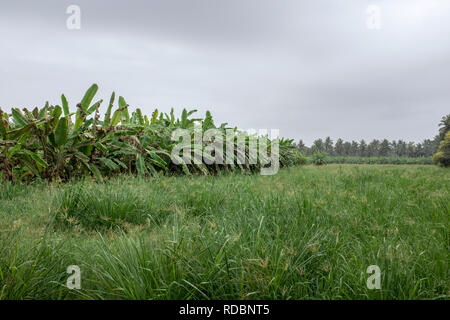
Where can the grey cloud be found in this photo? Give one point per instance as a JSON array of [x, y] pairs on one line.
[[309, 68]]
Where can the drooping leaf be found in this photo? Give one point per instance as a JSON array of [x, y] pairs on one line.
[[191, 112], [36, 158], [18, 117], [156, 159], [109, 163], [120, 163], [16, 133], [26, 161], [140, 166], [94, 169], [94, 107]]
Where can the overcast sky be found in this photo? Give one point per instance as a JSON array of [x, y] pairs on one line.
[[309, 68]]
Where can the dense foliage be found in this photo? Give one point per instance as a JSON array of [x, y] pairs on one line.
[[442, 157], [381, 151], [375, 148], [306, 233], [318, 158], [444, 127], [54, 144]]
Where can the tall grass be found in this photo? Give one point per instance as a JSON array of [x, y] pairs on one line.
[[305, 233]]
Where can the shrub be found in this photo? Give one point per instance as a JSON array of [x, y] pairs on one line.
[[442, 157], [300, 158], [318, 158]]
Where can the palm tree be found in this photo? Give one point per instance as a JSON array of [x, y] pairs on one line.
[[442, 157], [373, 148], [362, 148], [317, 146], [402, 149], [347, 148], [329, 146], [301, 146], [354, 148], [385, 148], [339, 147], [411, 149], [444, 127]]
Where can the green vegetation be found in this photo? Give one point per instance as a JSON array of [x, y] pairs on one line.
[[378, 160], [444, 128], [442, 157], [379, 148], [143, 227], [373, 149], [53, 144], [381, 152], [318, 158], [306, 233]]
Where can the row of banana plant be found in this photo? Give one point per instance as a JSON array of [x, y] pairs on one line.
[[53, 143]]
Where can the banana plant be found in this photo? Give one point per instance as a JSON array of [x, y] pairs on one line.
[[52, 143]]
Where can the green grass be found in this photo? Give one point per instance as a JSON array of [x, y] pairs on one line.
[[305, 233], [376, 160]]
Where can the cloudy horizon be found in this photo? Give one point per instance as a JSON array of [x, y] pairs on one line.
[[309, 68]]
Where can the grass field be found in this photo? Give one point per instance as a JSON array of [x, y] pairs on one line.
[[377, 160], [305, 233]]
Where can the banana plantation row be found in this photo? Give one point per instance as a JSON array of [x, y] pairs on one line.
[[52, 143]]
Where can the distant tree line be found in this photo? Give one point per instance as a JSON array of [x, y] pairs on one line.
[[378, 148], [374, 148]]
